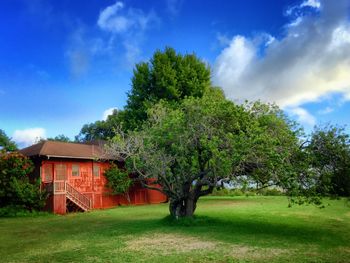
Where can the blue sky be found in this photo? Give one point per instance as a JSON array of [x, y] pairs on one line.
[[66, 63]]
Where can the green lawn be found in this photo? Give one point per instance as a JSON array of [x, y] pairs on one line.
[[226, 229]]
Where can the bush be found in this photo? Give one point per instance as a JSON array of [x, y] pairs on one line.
[[221, 192], [16, 191], [118, 181], [270, 192], [19, 211]]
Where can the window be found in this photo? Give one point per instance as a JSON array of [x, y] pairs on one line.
[[61, 171], [48, 172], [75, 169], [96, 170]]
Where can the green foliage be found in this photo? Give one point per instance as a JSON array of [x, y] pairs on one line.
[[15, 188], [270, 192], [19, 211], [101, 130], [118, 180], [189, 148], [329, 154], [60, 138], [168, 76], [6, 143]]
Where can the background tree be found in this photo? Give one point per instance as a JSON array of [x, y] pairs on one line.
[[6, 143], [188, 149], [329, 151], [60, 138], [101, 130]]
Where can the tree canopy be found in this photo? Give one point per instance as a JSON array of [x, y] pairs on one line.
[[168, 76], [189, 148]]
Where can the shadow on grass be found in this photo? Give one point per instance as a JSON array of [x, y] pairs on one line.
[[259, 232], [248, 231]]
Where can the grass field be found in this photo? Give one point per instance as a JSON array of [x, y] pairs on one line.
[[226, 229]]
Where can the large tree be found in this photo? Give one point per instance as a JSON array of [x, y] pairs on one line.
[[189, 148], [6, 143]]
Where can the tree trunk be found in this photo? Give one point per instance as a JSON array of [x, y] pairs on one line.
[[183, 207]]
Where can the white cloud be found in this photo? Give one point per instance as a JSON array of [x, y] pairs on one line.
[[311, 3], [297, 10], [303, 116], [223, 39], [325, 110], [309, 62], [295, 22], [126, 26], [124, 32], [232, 62], [346, 97], [110, 21], [270, 40], [29, 136], [108, 112]]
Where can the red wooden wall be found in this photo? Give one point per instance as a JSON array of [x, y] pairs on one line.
[[92, 185]]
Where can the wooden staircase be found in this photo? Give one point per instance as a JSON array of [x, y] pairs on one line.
[[73, 196]]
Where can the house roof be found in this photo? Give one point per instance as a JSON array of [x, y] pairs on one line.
[[65, 150]]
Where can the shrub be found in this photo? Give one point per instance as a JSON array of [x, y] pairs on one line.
[[16, 191], [118, 181], [19, 211], [270, 192]]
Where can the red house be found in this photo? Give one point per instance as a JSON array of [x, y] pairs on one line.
[[72, 173]]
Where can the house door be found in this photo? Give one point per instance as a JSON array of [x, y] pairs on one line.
[[60, 177]]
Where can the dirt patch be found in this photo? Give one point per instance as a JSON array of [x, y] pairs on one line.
[[169, 243], [344, 250], [166, 244]]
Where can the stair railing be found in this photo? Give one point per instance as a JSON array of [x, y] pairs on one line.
[[77, 196], [72, 193]]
